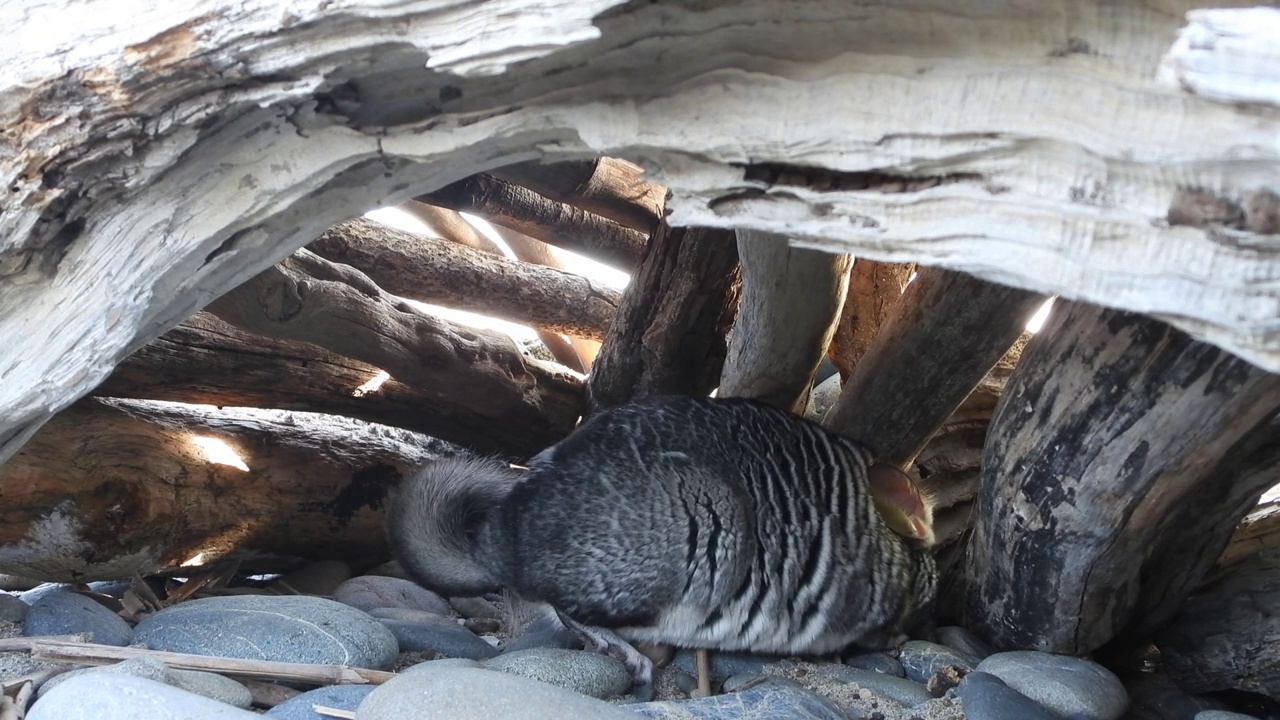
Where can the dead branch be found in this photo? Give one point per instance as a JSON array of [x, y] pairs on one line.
[[611, 188], [873, 293]]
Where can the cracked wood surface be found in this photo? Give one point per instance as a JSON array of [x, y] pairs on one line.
[[151, 165]]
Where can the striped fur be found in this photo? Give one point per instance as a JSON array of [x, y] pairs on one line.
[[696, 522]]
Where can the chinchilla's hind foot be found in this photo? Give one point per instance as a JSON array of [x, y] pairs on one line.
[[607, 642]]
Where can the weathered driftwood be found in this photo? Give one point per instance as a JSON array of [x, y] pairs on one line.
[[789, 304], [1108, 471], [608, 187], [559, 224], [873, 292], [108, 488], [669, 334], [1258, 531], [946, 333], [437, 271], [152, 165], [335, 307], [1228, 634], [206, 361]]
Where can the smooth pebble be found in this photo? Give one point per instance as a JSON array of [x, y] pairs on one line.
[[545, 631], [440, 635], [64, 613], [775, 698], [93, 696], [12, 609], [986, 697], [877, 662], [475, 607], [1066, 685], [341, 697], [960, 639], [724, 664], [907, 693], [593, 674], [374, 591], [1222, 715], [921, 660]]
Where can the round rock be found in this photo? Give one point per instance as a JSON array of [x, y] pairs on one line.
[[987, 697], [876, 662], [1064, 684], [63, 613], [375, 591], [455, 693], [775, 698], [441, 636], [907, 693], [341, 697], [475, 607], [1222, 715], [599, 676], [724, 664], [922, 659], [957, 638], [212, 685], [546, 631], [12, 609], [148, 668], [124, 697], [296, 629]]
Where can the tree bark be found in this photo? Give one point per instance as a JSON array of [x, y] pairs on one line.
[[946, 333], [444, 273], [206, 361], [128, 210], [611, 188], [1259, 531], [112, 487], [1113, 456], [337, 308], [1228, 634], [523, 210], [874, 291], [790, 301], [668, 336]]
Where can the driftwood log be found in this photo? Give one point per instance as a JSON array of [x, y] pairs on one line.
[[668, 336], [153, 165], [946, 333], [1118, 463], [790, 300], [873, 293], [611, 188], [109, 488], [437, 271], [206, 361]]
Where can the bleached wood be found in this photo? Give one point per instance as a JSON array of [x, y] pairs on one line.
[[156, 155], [1228, 55]]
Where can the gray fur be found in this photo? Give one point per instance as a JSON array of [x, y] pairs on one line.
[[722, 524]]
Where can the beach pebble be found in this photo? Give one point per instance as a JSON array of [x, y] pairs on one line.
[[63, 613], [299, 629], [876, 662], [907, 693], [12, 609], [775, 698], [961, 640], [1222, 715], [593, 674], [987, 697], [341, 697], [545, 631], [1156, 697], [921, 660], [404, 615], [724, 664], [92, 696], [439, 635], [211, 685], [475, 607], [317, 578], [431, 692], [374, 591], [1064, 684]]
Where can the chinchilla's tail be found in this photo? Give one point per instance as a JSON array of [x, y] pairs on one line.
[[441, 524]]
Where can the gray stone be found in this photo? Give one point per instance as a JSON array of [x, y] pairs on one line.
[[92, 696], [318, 578], [987, 697], [775, 699], [1222, 715], [1066, 685], [212, 685], [589, 673], [114, 588], [957, 638], [374, 591], [404, 615], [298, 629], [921, 660], [907, 693], [876, 662], [12, 609], [18, 583], [545, 631], [143, 667], [454, 693], [1156, 697], [443, 662], [724, 664], [821, 397], [31, 596], [440, 635], [63, 613], [476, 607], [342, 697]]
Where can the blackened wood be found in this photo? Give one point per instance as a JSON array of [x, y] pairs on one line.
[[206, 361], [790, 301], [562, 225], [1228, 634], [873, 292], [1104, 462], [611, 188], [946, 333], [668, 336], [445, 273], [1258, 531]]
